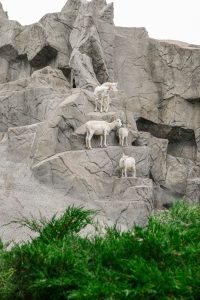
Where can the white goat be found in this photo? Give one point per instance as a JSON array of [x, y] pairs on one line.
[[101, 128], [102, 95], [123, 134], [127, 163], [103, 98]]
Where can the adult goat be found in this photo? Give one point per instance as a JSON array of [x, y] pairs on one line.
[[102, 95], [101, 128]]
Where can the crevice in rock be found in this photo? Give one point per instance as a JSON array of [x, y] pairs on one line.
[[193, 100], [43, 57], [67, 72], [19, 68], [23, 57], [74, 83], [99, 70], [164, 197], [183, 148], [182, 141], [93, 50], [8, 52]]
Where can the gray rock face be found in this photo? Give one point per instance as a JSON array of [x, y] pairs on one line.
[[93, 170], [29, 100], [48, 72]]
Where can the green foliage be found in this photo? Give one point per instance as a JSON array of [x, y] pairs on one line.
[[6, 275], [160, 261]]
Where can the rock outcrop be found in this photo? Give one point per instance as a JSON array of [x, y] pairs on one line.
[[48, 71]]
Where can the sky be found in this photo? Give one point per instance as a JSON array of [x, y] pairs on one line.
[[163, 19]]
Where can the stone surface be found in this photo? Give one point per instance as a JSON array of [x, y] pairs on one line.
[[192, 193], [48, 71], [30, 100], [131, 203], [92, 174], [158, 154], [179, 171]]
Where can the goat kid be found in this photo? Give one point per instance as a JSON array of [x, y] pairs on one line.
[[127, 163], [123, 135]]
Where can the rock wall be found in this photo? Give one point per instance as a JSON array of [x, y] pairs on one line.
[[48, 71]]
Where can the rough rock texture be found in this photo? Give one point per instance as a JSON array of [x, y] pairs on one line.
[[48, 71]]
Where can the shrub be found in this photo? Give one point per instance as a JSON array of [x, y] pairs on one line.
[[160, 261], [6, 275]]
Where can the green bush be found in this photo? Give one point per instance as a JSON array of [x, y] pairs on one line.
[[6, 275], [160, 261]]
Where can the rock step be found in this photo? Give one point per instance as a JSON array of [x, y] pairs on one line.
[[102, 156], [21, 141], [92, 173], [131, 201], [126, 213], [77, 139], [97, 116]]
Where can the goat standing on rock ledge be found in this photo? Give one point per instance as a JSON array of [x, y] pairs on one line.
[[127, 163], [101, 128], [123, 135], [102, 95]]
